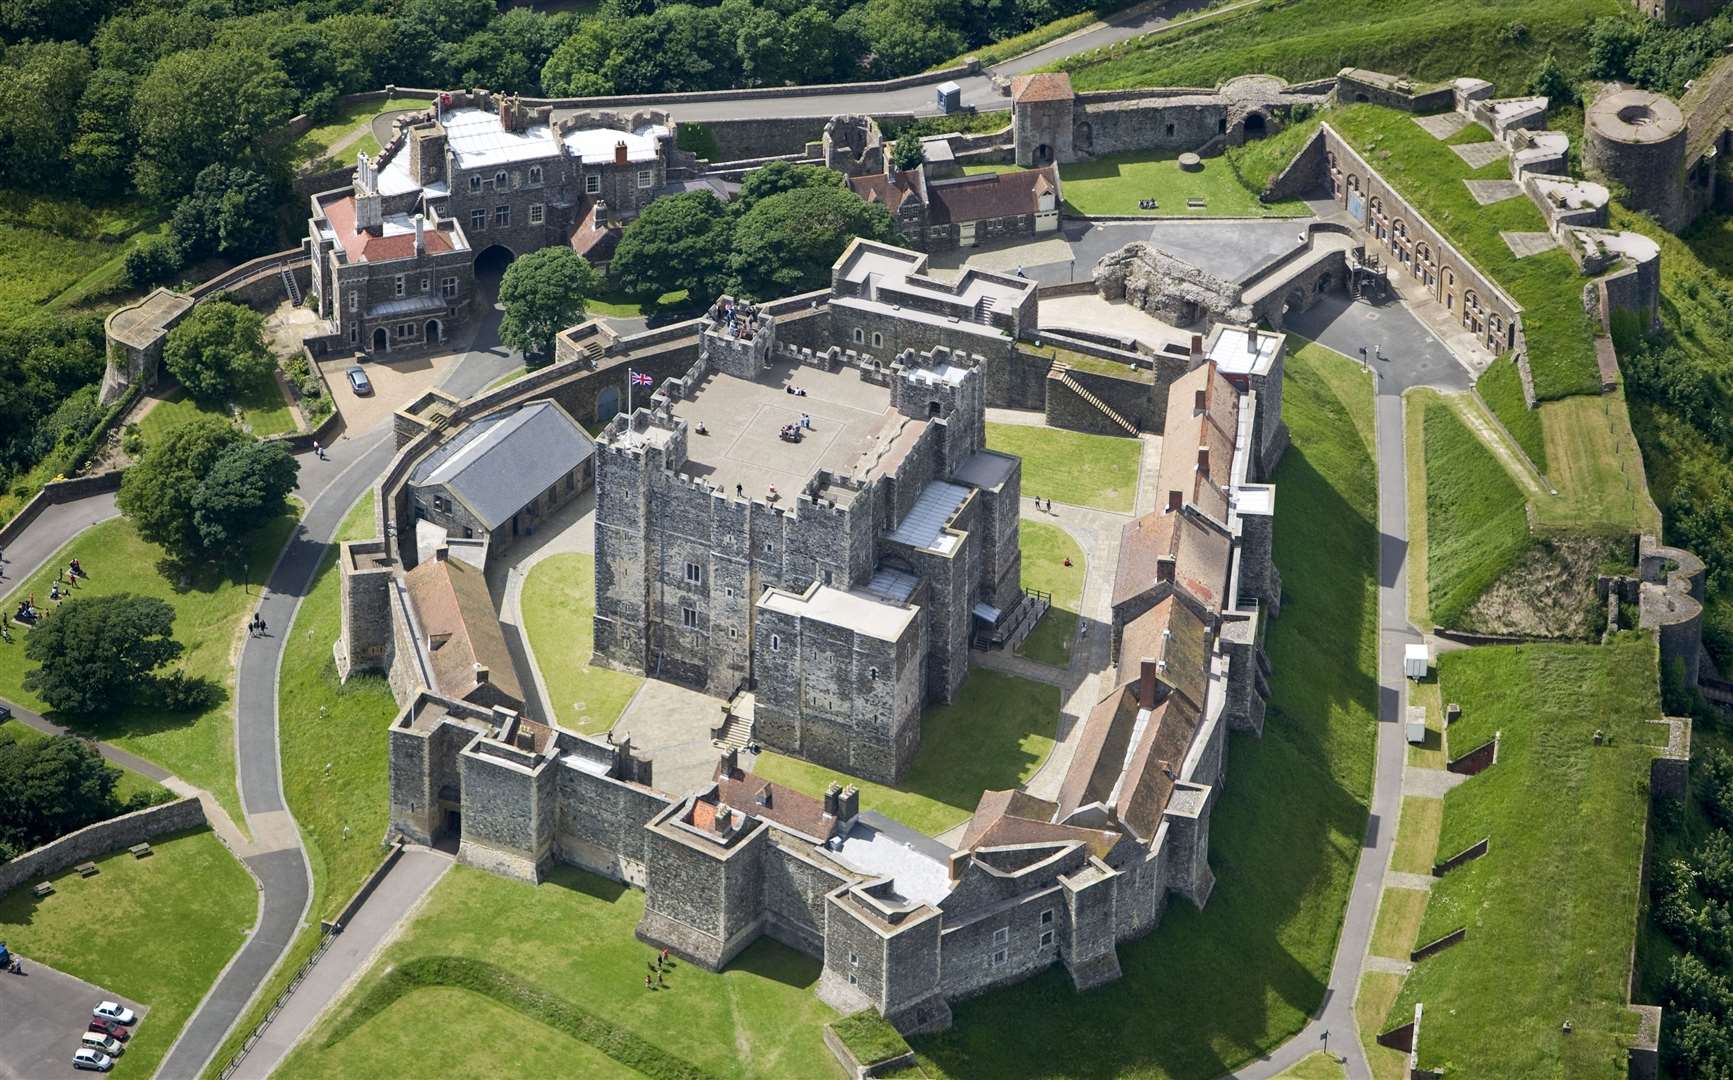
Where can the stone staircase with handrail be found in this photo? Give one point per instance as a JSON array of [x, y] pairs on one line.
[[1060, 373], [290, 287]]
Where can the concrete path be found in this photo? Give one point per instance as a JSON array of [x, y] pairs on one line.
[[329, 488], [52, 530], [350, 955]]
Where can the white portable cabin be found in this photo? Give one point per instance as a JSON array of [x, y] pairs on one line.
[[1415, 661]]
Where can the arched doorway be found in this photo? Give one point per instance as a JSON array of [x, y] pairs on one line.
[[1256, 126], [433, 332], [491, 261], [381, 340], [1043, 154]]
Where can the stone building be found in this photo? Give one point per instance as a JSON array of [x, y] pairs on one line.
[[500, 476], [1680, 12], [939, 214], [394, 254], [829, 538], [456, 634]]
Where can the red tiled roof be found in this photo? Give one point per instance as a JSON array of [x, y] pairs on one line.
[[594, 242], [1187, 430], [988, 196], [367, 246], [776, 803], [1200, 554], [890, 190], [1048, 86], [703, 814]]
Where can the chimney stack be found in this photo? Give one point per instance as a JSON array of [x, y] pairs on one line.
[[1174, 500], [1197, 346], [480, 674], [601, 214], [1203, 459], [1199, 401], [420, 236], [505, 112], [730, 762], [1164, 568], [1146, 683], [833, 799], [442, 553], [620, 152], [848, 804], [722, 816], [1251, 341]]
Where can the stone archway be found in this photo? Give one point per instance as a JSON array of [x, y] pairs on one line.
[[1043, 154], [433, 332], [1256, 125], [381, 340]]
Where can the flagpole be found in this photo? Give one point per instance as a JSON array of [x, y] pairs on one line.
[[631, 381]]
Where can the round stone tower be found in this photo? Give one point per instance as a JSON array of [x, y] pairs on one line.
[[1636, 138]]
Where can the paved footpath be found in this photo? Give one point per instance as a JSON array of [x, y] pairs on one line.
[[51, 531]]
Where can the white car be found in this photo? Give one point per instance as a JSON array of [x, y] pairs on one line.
[[104, 1044], [114, 1010], [94, 1060]]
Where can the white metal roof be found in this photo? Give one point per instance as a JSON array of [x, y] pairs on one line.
[[924, 525]]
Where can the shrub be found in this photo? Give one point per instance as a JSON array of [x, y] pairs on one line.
[[152, 259], [179, 692]]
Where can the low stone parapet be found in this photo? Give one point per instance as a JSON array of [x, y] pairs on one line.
[[95, 841]]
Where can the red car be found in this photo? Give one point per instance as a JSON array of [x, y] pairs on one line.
[[111, 1028]]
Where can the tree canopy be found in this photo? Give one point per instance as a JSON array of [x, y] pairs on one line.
[[203, 487], [97, 653], [204, 106], [217, 349], [231, 211], [50, 787], [787, 242], [678, 242], [907, 154], [543, 293]]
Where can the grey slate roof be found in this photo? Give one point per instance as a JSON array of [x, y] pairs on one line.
[[498, 464]]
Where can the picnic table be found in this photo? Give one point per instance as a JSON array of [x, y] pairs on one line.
[[86, 869], [139, 851], [41, 889]]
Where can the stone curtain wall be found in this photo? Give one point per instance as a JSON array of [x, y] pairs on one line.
[[95, 841], [764, 136]]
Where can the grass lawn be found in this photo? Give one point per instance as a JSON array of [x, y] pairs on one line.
[[1414, 404], [1045, 549], [1095, 365], [1547, 286], [199, 749], [1500, 387], [1377, 990], [1318, 1066], [620, 306], [1209, 990], [1566, 820], [1113, 184], [1417, 835], [994, 736], [1431, 753], [1098, 471], [263, 411], [1476, 526], [1312, 39], [571, 938], [155, 930], [869, 1037], [511, 376], [1399, 912], [559, 603], [1594, 461], [315, 143]]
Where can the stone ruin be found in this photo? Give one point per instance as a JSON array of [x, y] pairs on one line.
[[1169, 288]]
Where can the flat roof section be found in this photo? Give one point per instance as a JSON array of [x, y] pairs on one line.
[[744, 419], [924, 525], [985, 469], [860, 612]]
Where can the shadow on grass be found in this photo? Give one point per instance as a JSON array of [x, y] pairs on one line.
[[594, 885], [777, 962]]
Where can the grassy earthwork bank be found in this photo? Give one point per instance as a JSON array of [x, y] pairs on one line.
[[260, 409], [994, 736], [1045, 551], [1500, 40], [1500, 386], [559, 606], [1210, 990], [210, 603], [1318, 1066], [332, 740], [60, 251], [1551, 909], [155, 930], [565, 986], [1097, 471], [1476, 522]]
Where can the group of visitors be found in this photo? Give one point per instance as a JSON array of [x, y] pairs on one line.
[[797, 391], [653, 978], [256, 626], [735, 319]]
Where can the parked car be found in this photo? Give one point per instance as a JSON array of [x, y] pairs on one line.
[[114, 1029], [96, 1040], [93, 1060], [114, 1010], [5, 712], [359, 382]]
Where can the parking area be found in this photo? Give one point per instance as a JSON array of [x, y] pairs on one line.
[[395, 382], [42, 1014]]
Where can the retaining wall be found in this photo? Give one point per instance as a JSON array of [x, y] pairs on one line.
[[95, 841]]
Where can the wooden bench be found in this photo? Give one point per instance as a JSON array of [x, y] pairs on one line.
[[139, 851], [1196, 203], [86, 869], [41, 889]]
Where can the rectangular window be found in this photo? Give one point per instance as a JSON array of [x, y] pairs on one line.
[[769, 548], [397, 285], [354, 300], [646, 177], [694, 573], [730, 591], [1000, 957], [468, 533], [1047, 939], [536, 214], [448, 287], [474, 184], [478, 220], [689, 617], [405, 329], [499, 180], [593, 184], [776, 643], [733, 632], [502, 216], [352, 335], [426, 282], [1002, 935], [1047, 917]]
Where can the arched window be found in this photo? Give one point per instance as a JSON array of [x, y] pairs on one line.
[[1353, 182], [859, 335]]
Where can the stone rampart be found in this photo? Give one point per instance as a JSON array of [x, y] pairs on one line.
[[95, 841]]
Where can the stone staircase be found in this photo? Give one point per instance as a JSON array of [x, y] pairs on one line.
[[984, 311], [290, 287], [735, 732], [1060, 373]]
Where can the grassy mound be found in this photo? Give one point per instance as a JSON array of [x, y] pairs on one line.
[[1476, 518]]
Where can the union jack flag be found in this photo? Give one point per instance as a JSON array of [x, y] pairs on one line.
[[639, 378]]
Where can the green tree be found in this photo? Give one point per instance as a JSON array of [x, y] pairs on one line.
[[678, 242], [778, 177], [249, 484], [810, 38], [98, 653], [152, 259], [910, 35], [218, 349], [575, 68], [39, 90], [787, 243], [543, 293], [204, 106], [50, 787], [157, 493], [231, 211], [907, 153]]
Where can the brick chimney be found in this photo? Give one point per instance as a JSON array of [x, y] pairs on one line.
[[1203, 459], [506, 119], [1164, 568], [1199, 401], [729, 763], [1196, 347], [723, 814], [848, 804], [833, 798], [601, 211], [620, 152], [1146, 683], [1175, 499], [420, 234], [481, 674]]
